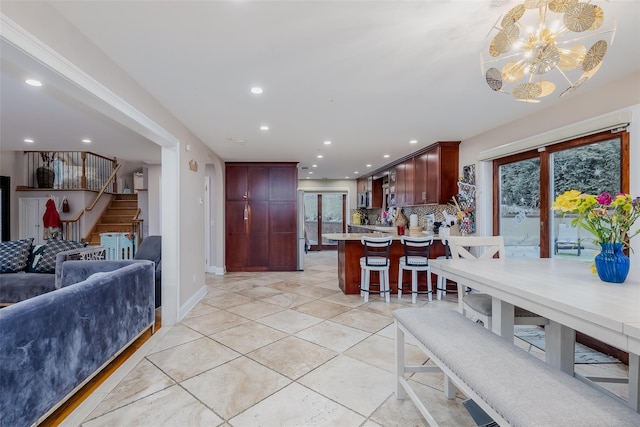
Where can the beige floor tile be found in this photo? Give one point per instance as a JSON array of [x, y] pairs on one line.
[[255, 309], [226, 300], [400, 413], [248, 337], [290, 321], [316, 292], [364, 320], [260, 292], [357, 385], [333, 336], [217, 321], [380, 352], [286, 286], [201, 309], [193, 358], [352, 301], [287, 299], [144, 380], [170, 407], [234, 286], [292, 357], [323, 309], [235, 386], [177, 335], [297, 406]]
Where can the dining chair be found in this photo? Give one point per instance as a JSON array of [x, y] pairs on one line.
[[376, 258], [415, 259], [441, 281], [476, 305]]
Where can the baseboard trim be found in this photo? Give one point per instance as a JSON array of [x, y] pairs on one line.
[[192, 302]]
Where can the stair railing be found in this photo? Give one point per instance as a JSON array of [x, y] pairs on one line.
[[112, 177], [136, 226], [71, 227]]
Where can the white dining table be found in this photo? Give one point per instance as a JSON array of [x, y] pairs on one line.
[[564, 291]]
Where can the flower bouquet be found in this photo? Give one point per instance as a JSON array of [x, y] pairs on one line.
[[610, 220]]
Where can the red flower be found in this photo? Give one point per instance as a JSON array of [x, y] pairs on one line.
[[604, 199]]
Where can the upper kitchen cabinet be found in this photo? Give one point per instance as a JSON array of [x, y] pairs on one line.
[[441, 173]]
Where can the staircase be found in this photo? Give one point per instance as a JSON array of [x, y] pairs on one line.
[[116, 218]]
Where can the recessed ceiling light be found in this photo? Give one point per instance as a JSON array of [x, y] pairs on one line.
[[314, 166], [28, 140], [413, 141], [33, 82], [310, 172], [86, 141], [385, 156], [346, 177], [256, 90], [320, 156], [368, 165], [327, 143], [356, 172], [264, 127]]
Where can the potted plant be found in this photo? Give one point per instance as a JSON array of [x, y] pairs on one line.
[[610, 220], [45, 175]]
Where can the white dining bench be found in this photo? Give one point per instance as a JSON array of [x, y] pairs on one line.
[[512, 386]]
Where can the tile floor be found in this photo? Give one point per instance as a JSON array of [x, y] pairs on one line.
[[272, 349]]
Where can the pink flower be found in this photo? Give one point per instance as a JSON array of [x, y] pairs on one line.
[[604, 199]]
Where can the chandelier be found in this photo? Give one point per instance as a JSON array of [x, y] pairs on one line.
[[552, 42]]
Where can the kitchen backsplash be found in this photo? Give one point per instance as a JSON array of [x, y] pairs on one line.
[[373, 215]]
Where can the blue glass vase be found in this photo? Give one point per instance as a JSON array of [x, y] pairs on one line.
[[612, 264]]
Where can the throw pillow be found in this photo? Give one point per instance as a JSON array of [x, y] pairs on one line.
[[47, 263], [14, 255], [36, 253]]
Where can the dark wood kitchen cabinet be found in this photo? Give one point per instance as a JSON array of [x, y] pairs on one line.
[[261, 216], [441, 172]]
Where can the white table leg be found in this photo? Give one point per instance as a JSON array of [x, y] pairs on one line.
[[560, 343], [502, 318], [634, 381]]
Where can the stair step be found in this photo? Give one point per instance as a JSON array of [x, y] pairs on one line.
[[121, 212], [121, 196], [116, 219], [124, 204], [113, 228]]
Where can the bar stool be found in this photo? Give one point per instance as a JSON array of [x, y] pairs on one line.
[[376, 258], [415, 259]]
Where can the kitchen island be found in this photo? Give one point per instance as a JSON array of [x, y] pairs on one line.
[[350, 250]]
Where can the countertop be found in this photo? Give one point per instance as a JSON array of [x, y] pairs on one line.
[[358, 236]]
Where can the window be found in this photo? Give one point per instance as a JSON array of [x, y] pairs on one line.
[[526, 184]]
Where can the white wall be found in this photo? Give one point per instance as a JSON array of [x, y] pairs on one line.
[[582, 107]]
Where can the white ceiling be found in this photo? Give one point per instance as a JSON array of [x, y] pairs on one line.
[[369, 76]]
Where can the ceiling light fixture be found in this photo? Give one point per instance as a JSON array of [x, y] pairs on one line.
[[86, 141], [33, 82], [386, 156], [256, 90], [327, 143], [413, 141], [264, 127], [28, 140], [320, 156], [369, 165], [314, 166], [543, 41]]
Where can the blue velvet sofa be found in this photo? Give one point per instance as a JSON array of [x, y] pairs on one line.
[[35, 279], [151, 249], [53, 344]]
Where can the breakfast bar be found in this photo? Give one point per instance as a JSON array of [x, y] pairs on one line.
[[350, 250]]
